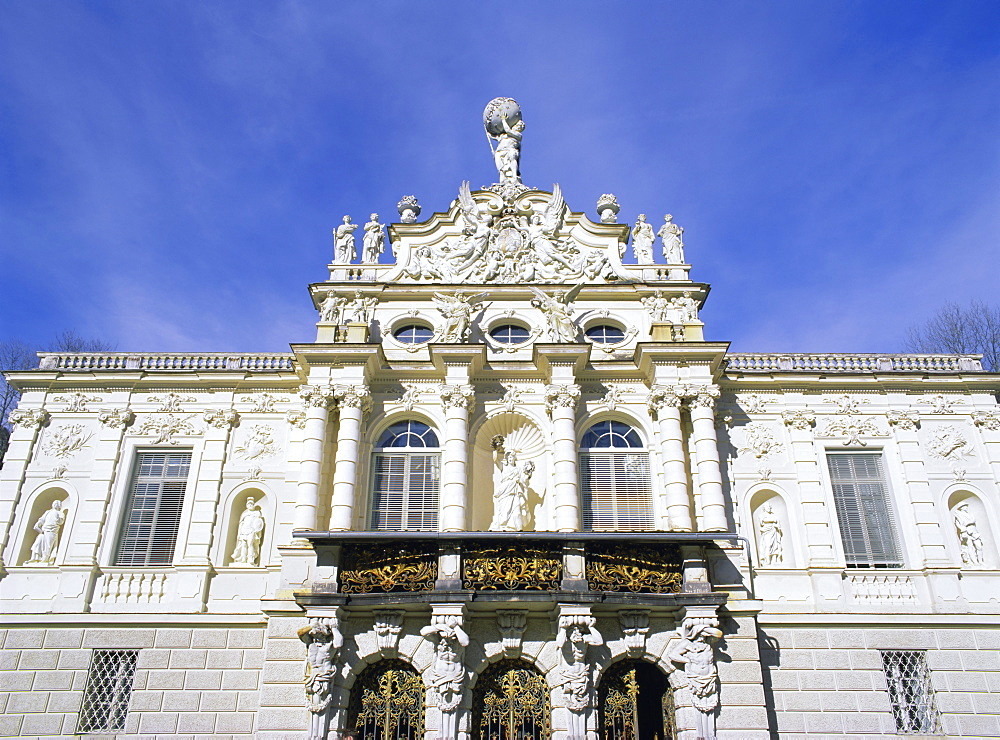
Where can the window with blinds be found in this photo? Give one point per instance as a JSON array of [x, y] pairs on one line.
[[614, 479], [153, 513], [405, 483], [864, 511]]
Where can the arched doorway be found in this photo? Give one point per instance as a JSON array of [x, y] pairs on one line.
[[387, 703], [636, 703], [511, 702]]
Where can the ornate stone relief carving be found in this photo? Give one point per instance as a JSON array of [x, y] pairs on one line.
[[221, 418], [323, 641], [576, 634], [696, 652], [264, 402], [771, 545], [457, 396], [296, 418], [511, 399], [798, 419], [759, 441], [447, 674], [561, 396], [116, 418], [166, 427], [511, 623], [948, 443], [76, 402], [670, 235], [48, 527], [754, 403], [28, 418], [986, 420], [852, 429], [612, 397], [457, 310], [170, 402], [635, 626], [940, 404], [387, 625], [908, 420], [258, 444], [65, 441], [411, 395], [846, 403], [248, 533], [969, 538], [317, 396]]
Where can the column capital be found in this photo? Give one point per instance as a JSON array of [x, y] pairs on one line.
[[221, 418], [703, 396], [908, 420], [353, 396], [798, 418], [28, 418], [116, 418], [317, 396], [664, 396], [457, 396], [561, 396]]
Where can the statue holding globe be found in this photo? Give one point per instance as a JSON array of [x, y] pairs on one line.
[[502, 120]]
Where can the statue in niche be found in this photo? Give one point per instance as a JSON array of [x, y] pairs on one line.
[[576, 634], [642, 240], [687, 307], [332, 308], [447, 673], [503, 123], [510, 492], [248, 533], [556, 309], [344, 250], [374, 241], [696, 652], [968, 535], [658, 305], [49, 526], [673, 248], [323, 641], [771, 549], [457, 310]]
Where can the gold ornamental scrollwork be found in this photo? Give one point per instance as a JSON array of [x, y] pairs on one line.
[[387, 702], [510, 568], [634, 569], [511, 702], [367, 569]]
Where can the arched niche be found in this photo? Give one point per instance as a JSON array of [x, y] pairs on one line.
[[235, 506], [522, 435], [773, 529], [968, 512], [35, 507]]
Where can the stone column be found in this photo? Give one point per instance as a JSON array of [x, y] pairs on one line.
[[317, 400], [353, 401], [706, 446], [456, 400], [561, 400], [664, 405]]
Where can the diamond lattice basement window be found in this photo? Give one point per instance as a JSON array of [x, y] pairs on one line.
[[109, 688], [911, 694]]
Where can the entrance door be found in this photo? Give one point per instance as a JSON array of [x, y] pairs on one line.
[[511, 702], [387, 702], [636, 703]]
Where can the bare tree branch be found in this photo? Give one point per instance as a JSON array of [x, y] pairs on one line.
[[972, 329]]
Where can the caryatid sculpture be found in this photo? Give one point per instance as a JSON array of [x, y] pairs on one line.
[[447, 673], [510, 493], [49, 526], [344, 249], [696, 652], [673, 247], [374, 241], [576, 634], [248, 533], [323, 641], [502, 120], [642, 240]]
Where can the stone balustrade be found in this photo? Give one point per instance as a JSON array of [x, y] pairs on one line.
[[89, 361], [852, 363]]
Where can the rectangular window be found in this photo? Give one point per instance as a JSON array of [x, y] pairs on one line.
[[405, 495], [911, 694], [864, 511], [153, 514], [109, 688], [615, 491]]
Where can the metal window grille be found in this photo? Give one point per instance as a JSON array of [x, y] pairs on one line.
[[864, 511], [109, 688], [911, 694], [153, 514], [405, 491]]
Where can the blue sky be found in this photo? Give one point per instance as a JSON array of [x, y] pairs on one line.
[[170, 171]]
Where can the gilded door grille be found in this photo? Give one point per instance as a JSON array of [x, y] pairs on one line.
[[511, 702], [636, 703], [387, 703]]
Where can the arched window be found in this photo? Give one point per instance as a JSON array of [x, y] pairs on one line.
[[406, 476], [614, 479], [635, 701], [387, 702]]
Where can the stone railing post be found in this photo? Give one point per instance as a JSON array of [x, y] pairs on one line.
[[561, 400], [353, 402], [317, 400], [664, 403], [706, 447]]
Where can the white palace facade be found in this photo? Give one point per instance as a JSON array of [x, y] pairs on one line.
[[509, 493]]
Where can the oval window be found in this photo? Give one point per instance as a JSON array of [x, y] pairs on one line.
[[413, 334], [605, 334], [509, 334]]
